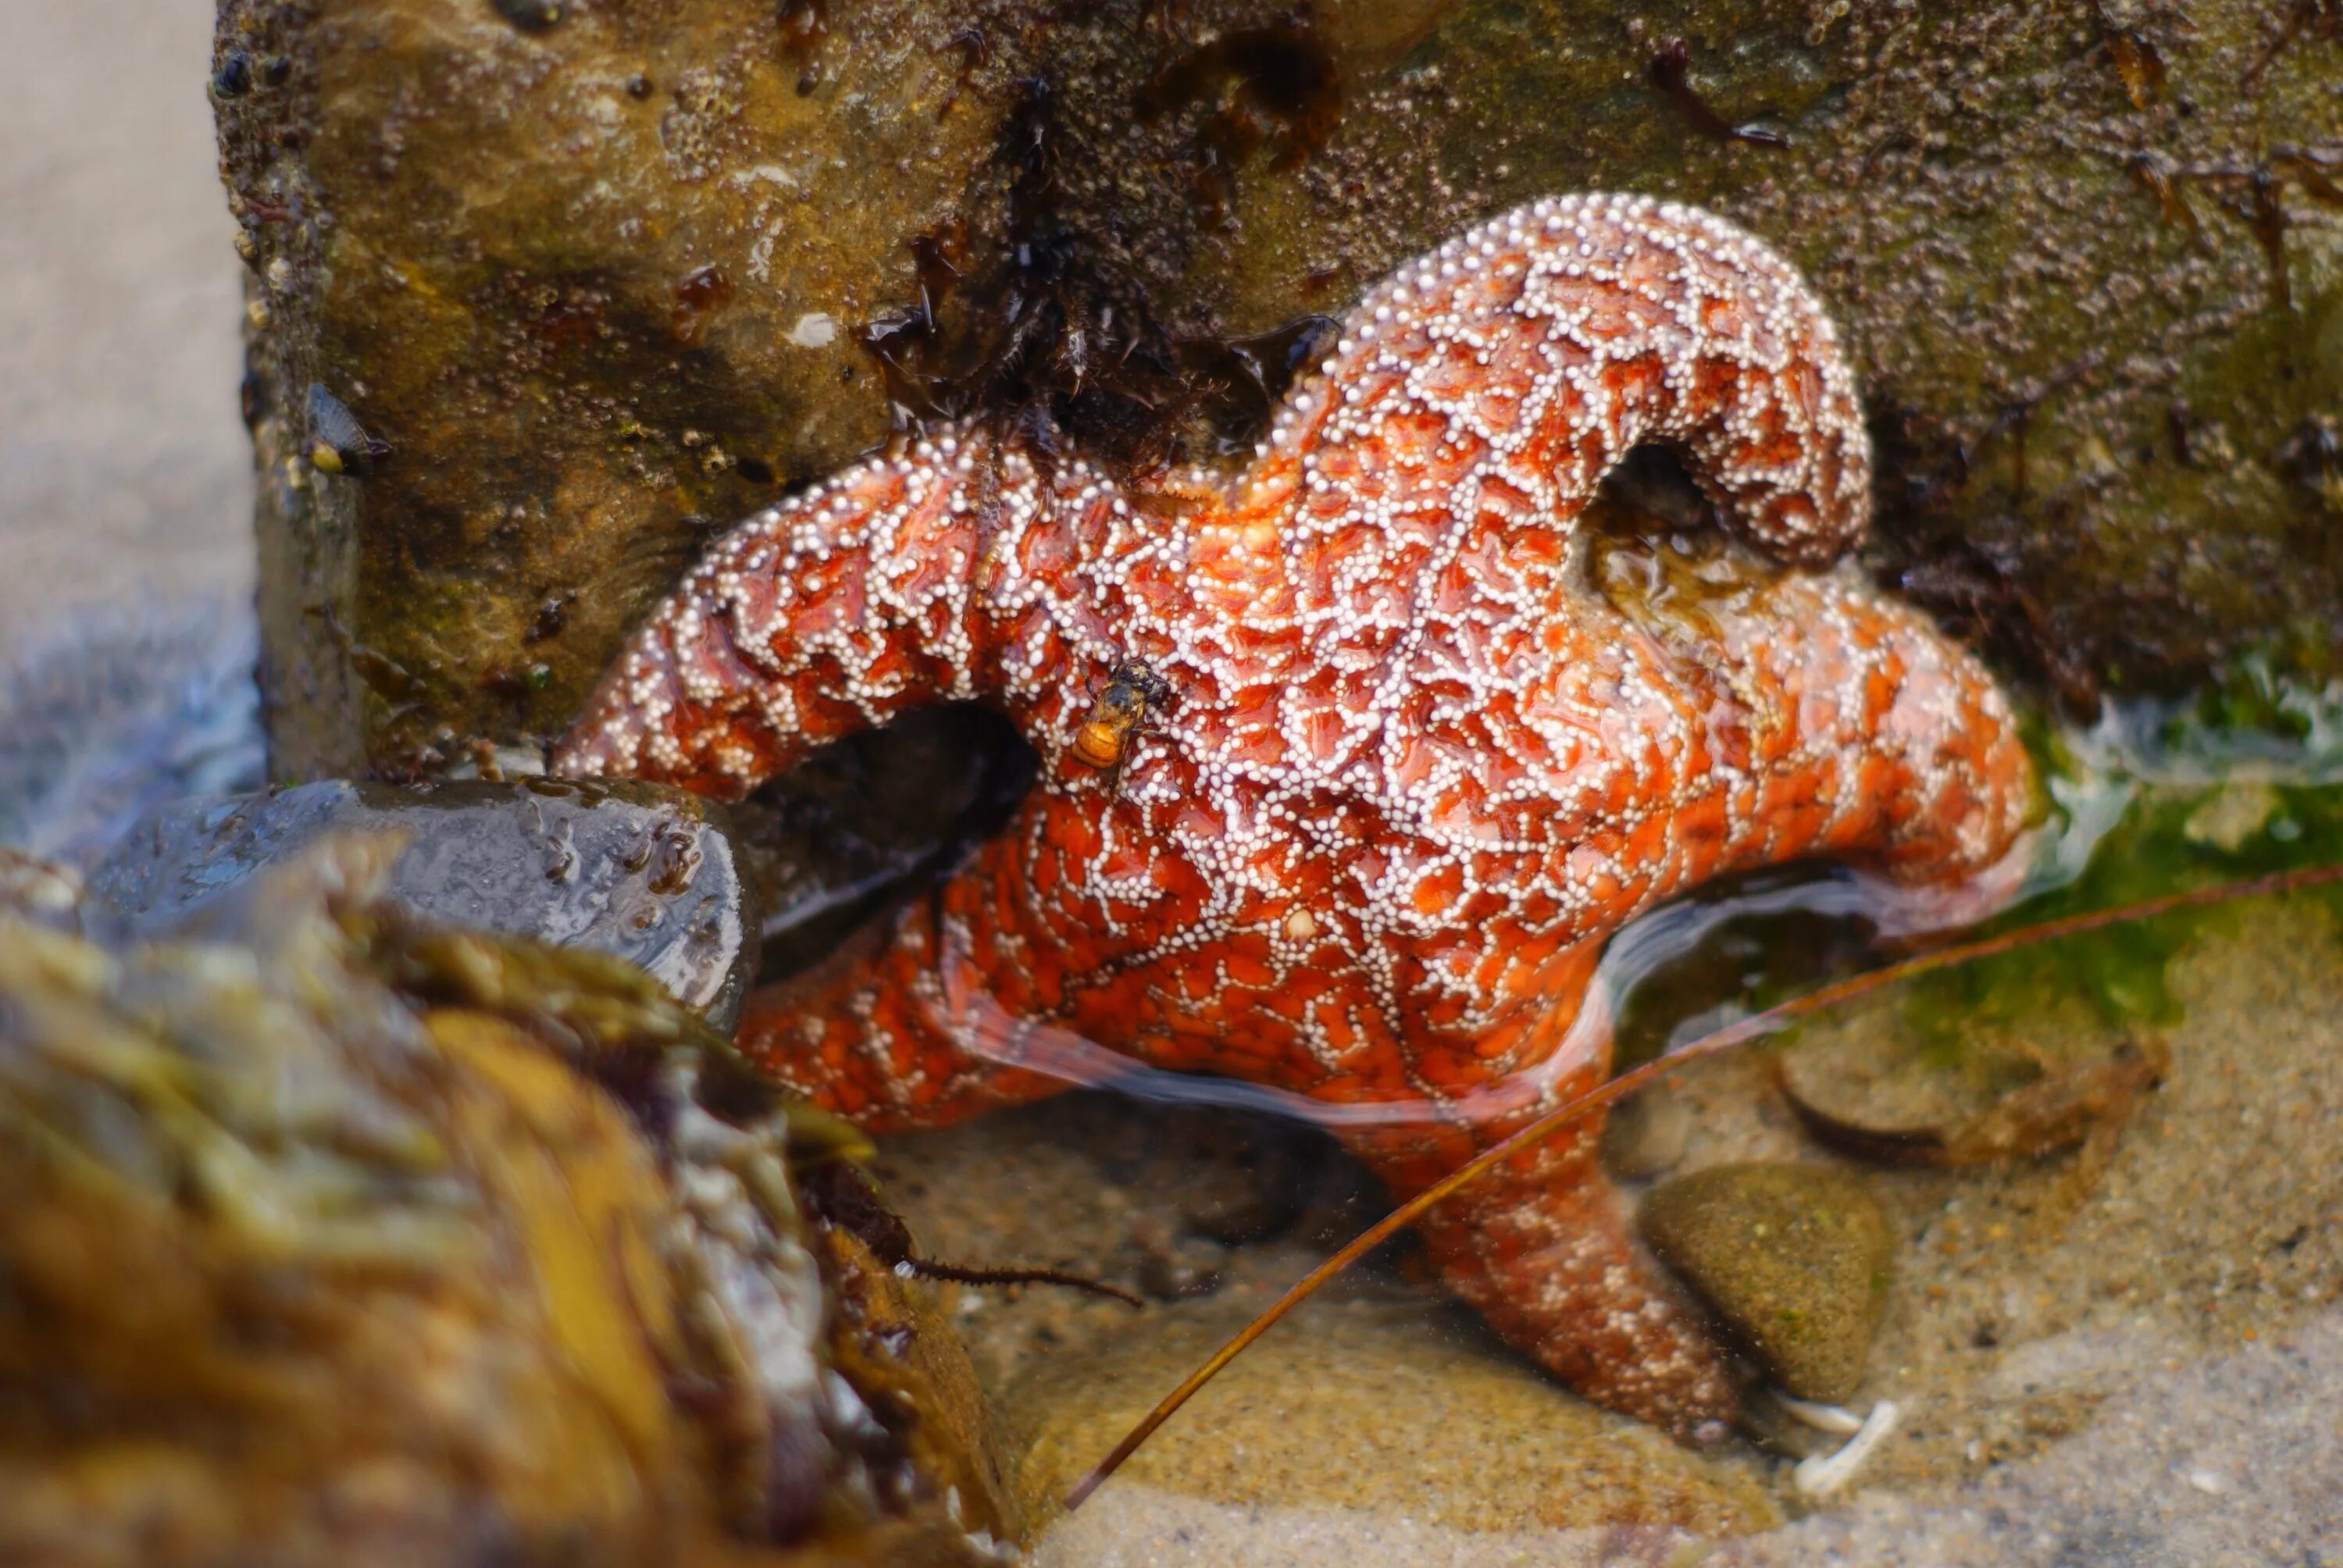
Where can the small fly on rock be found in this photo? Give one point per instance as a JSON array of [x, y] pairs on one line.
[[1119, 710]]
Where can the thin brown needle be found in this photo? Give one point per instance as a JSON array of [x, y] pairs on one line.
[[1725, 1038]]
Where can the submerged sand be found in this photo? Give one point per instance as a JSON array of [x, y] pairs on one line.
[[2117, 1356]]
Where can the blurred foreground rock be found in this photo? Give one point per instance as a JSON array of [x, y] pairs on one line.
[[317, 1249], [604, 278]]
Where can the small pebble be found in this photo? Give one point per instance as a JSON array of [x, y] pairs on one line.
[[1795, 1259], [1178, 1270], [2234, 816], [645, 873], [1647, 1133]]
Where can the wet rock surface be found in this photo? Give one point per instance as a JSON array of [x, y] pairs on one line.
[[643, 873], [604, 293], [114, 715], [1793, 1259], [1884, 1093], [304, 1266], [2088, 356], [596, 288]]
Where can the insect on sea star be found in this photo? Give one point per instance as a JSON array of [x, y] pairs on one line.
[[1424, 757]]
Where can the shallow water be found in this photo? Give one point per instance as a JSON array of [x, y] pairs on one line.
[[2132, 1355], [2186, 1256], [2078, 1344], [2088, 1356]]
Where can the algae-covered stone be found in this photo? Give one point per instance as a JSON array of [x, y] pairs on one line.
[[591, 276], [1869, 1083], [332, 1237], [2090, 263], [1795, 1259], [596, 276]]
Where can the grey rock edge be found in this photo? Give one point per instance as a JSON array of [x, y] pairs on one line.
[[643, 873]]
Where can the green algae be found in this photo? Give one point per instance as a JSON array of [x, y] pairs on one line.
[[2169, 838], [2241, 779], [2161, 845]]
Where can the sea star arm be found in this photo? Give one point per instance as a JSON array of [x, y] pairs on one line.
[[953, 571], [920, 1021], [1510, 371], [1540, 1248], [1790, 716], [1807, 715], [1540, 1245]]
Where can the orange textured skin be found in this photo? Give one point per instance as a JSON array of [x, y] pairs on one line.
[[1421, 763]]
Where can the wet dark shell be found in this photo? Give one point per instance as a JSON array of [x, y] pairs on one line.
[[337, 443], [531, 16]]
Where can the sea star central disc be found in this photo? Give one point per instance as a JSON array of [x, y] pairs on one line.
[[1419, 756]]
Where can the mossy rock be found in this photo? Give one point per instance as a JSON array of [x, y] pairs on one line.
[[598, 275], [336, 1237], [1795, 1259], [593, 277]]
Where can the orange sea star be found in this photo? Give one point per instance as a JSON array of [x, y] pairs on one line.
[[1418, 763]]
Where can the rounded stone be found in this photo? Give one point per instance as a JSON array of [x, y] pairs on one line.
[[1793, 1259], [1646, 1134]]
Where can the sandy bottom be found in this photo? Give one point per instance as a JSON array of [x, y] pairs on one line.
[[124, 467], [2131, 1357]]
